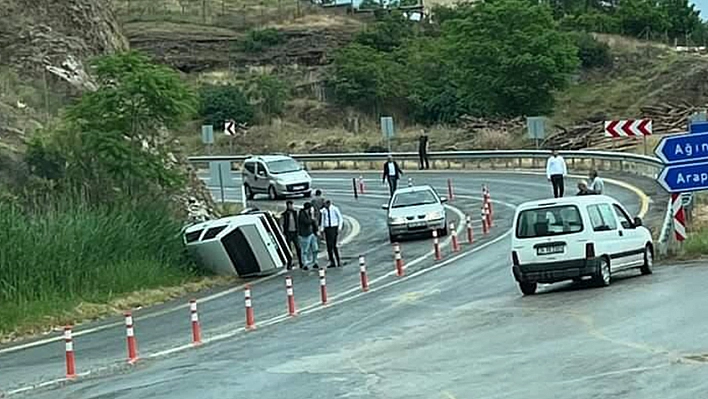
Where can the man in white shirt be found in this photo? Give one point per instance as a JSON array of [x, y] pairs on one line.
[[392, 173], [597, 186], [331, 223], [555, 171]]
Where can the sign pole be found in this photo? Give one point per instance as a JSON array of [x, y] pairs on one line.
[[221, 185], [645, 144]]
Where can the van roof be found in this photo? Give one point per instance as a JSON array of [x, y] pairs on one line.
[[268, 158], [575, 200]]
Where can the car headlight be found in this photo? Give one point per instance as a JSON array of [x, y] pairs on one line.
[[396, 220], [433, 216]]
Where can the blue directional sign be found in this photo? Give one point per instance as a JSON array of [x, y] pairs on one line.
[[683, 148], [698, 127], [685, 177]]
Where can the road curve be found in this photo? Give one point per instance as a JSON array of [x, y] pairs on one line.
[[452, 329]]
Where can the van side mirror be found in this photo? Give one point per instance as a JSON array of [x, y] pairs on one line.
[[384, 207], [637, 221]]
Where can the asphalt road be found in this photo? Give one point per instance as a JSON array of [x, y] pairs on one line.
[[452, 329]]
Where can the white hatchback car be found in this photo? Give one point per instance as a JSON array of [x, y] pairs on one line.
[[574, 237]]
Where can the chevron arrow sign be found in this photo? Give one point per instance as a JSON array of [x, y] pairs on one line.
[[628, 128]]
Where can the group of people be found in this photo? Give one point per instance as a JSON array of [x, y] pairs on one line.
[[304, 228], [556, 170]]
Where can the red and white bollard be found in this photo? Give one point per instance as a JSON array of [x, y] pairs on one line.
[[491, 208], [485, 227], [470, 231], [250, 318], [488, 215], [132, 342], [70, 360], [436, 246], [362, 273], [323, 287], [196, 328], [455, 242], [292, 311], [362, 186], [450, 193], [410, 182], [398, 260]]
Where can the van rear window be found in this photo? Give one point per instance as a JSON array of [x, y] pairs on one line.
[[551, 221]]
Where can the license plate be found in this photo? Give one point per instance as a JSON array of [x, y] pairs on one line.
[[298, 187], [417, 224], [554, 249]]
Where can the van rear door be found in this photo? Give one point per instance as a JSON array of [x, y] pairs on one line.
[[549, 234]]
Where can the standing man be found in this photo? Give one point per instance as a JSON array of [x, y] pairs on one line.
[[423, 145], [289, 220], [317, 204], [307, 229], [597, 186], [555, 171], [331, 224], [392, 173]]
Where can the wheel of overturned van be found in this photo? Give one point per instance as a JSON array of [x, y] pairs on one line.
[[249, 192], [272, 194], [647, 267], [604, 275], [528, 288]]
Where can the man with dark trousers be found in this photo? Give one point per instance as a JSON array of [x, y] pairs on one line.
[[392, 173], [289, 221], [423, 143], [556, 170], [331, 224]]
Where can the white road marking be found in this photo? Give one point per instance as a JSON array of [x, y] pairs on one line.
[[353, 233]]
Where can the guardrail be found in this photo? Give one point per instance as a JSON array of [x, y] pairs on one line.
[[641, 165]]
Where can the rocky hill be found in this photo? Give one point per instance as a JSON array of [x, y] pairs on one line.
[[44, 45]]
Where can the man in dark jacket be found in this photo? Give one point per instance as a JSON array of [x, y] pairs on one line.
[[289, 221], [423, 143], [392, 173], [307, 230]]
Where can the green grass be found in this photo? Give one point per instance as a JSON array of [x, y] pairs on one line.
[[53, 259]]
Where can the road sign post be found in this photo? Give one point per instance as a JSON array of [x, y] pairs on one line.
[[536, 128], [387, 130], [208, 136]]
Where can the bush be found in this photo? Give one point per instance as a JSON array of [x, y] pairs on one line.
[[268, 94], [223, 102], [592, 53], [68, 251], [260, 39]]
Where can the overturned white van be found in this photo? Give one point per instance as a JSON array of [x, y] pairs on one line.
[[243, 245]]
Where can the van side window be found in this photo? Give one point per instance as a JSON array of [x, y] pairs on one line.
[[622, 216], [261, 169], [250, 167], [602, 218]]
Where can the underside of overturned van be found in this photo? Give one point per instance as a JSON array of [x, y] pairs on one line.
[[244, 245]]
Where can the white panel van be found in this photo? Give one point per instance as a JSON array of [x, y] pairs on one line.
[[575, 237]]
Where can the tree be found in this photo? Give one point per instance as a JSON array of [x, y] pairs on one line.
[[113, 140], [219, 103], [389, 32], [507, 69], [268, 94]]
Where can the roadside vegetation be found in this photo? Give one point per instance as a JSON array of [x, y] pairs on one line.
[[92, 217]]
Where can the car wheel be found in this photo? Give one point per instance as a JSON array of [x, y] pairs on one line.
[[528, 288], [308, 194], [648, 261], [443, 232], [392, 238], [604, 275], [272, 194], [249, 192]]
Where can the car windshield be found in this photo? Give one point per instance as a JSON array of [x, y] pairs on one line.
[[552, 221], [284, 166], [413, 198]]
